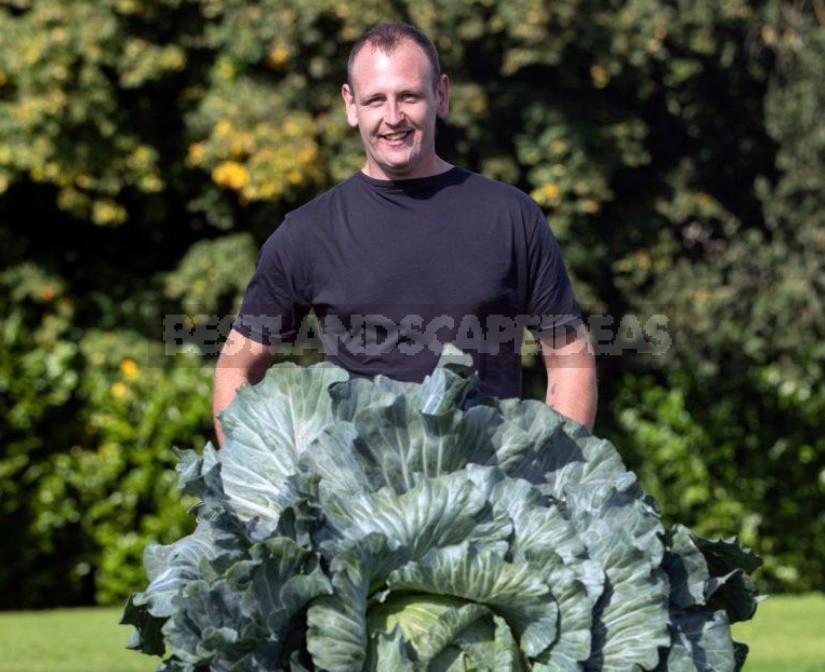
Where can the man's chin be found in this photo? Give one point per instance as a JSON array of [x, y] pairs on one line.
[[397, 170]]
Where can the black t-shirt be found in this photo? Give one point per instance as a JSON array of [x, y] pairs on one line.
[[396, 269]]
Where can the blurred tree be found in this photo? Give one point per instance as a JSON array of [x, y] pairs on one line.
[[147, 148], [746, 315], [38, 415]]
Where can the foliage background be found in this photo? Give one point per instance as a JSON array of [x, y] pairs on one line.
[[148, 147]]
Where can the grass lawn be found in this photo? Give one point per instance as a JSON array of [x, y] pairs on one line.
[[68, 640], [787, 635]]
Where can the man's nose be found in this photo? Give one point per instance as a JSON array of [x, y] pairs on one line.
[[393, 114]]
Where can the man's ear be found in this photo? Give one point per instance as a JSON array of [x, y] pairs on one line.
[[442, 97], [349, 104]]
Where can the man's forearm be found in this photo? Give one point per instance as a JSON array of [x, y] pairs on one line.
[[227, 381], [572, 391], [241, 361], [572, 387]]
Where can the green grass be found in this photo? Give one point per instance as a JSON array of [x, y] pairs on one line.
[[68, 640], [787, 635]]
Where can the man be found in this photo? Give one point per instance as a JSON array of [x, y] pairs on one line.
[[411, 253]]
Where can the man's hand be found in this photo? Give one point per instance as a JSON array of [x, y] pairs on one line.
[[242, 360], [571, 375]]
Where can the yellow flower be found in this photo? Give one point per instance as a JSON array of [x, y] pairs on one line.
[[550, 192], [108, 213], [119, 390], [590, 206], [547, 195], [231, 174], [600, 76], [130, 369], [225, 69], [195, 153], [278, 56], [307, 153], [558, 147]]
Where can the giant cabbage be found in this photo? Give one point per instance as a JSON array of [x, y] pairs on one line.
[[351, 525]]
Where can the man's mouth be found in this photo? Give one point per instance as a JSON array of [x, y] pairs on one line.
[[399, 135]]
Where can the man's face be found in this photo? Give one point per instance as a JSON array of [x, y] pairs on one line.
[[393, 104]]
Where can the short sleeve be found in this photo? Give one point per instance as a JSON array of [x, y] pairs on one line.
[[274, 303], [551, 305]]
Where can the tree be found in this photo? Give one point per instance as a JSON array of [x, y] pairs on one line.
[[148, 148]]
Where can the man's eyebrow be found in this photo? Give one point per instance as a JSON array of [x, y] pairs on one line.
[[374, 95]]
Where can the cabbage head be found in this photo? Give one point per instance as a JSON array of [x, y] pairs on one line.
[[374, 525]]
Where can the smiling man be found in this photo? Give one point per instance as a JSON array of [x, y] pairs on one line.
[[394, 93], [411, 253]]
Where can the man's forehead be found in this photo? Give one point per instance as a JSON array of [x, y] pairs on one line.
[[373, 54], [402, 48]]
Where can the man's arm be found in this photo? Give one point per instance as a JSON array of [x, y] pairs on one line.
[[571, 375], [242, 360]]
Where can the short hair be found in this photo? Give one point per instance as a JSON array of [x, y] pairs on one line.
[[387, 37]]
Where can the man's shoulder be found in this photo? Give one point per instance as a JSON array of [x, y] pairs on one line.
[[320, 204], [493, 194]]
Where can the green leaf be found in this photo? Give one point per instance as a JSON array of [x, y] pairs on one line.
[[701, 642], [400, 441], [335, 458], [576, 589], [268, 427], [512, 590], [735, 593], [725, 555], [147, 636], [740, 655], [539, 526], [449, 385], [529, 427], [729, 587], [537, 444], [446, 629], [686, 567], [506, 654], [337, 635], [284, 580], [434, 513], [170, 568], [396, 440], [209, 625], [622, 535], [391, 653], [544, 536]]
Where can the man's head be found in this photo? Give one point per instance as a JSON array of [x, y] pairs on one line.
[[386, 38], [393, 95]]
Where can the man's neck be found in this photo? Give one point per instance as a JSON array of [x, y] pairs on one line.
[[437, 167]]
